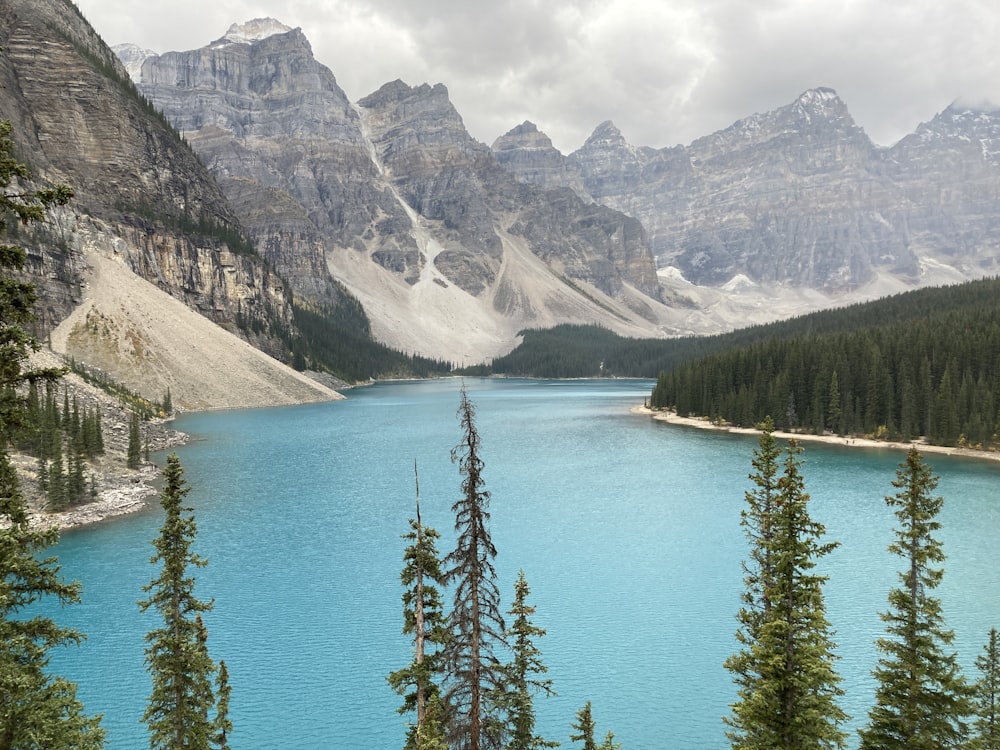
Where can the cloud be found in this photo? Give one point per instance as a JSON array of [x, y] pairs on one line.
[[665, 73]]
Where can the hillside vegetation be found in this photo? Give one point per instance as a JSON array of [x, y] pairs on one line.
[[926, 363]]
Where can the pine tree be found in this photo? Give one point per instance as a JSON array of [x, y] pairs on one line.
[[609, 743], [37, 709], [757, 519], [476, 624], [788, 687], [585, 727], [176, 655], [922, 700], [423, 619], [222, 725], [987, 697], [133, 456], [523, 678]]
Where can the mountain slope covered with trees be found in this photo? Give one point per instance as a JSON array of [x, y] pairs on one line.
[[925, 363]]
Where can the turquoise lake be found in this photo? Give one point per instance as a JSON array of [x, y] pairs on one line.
[[627, 530]]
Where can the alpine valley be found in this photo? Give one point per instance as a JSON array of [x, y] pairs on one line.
[[232, 200]]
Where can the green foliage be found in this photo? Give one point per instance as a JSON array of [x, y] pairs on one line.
[[524, 674], [922, 699], [475, 677], [37, 709], [924, 363], [337, 339], [987, 697], [591, 351], [787, 686], [181, 222], [585, 727], [127, 398], [49, 436], [176, 654], [133, 456], [222, 726], [424, 619]]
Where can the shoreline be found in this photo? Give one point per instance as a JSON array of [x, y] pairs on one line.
[[852, 442], [122, 491]]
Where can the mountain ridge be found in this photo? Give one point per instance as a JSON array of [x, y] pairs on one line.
[[382, 190], [798, 196]]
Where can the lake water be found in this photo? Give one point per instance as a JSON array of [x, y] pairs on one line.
[[627, 530]]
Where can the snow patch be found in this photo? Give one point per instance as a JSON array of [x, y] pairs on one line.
[[132, 56], [252, 31]]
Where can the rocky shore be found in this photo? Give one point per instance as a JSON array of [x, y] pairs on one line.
[[120, 490]]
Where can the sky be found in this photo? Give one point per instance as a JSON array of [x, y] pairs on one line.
[[664, 71]]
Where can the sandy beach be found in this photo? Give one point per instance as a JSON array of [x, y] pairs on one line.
[[860, 442]]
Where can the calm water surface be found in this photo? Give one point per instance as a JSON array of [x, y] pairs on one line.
[[627, 530]]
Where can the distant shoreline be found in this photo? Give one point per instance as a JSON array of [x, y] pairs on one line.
[[853, 442]]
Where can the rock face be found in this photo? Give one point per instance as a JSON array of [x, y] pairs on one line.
[[797, 196], [286, 147], [142, 195], [949, 175], [394, 181], [529, 154]]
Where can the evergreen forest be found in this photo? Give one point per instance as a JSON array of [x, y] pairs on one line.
[[926, 363], [921, 364]]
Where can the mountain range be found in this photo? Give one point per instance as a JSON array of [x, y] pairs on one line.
[[240, 180]]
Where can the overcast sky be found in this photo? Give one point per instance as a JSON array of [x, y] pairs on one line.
[[665, 71]]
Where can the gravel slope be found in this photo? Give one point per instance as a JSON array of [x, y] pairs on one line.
[[149, 341]]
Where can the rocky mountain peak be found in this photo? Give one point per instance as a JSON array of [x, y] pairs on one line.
[[819, 108], [606, 135], [964, 131], [524, 136], [132, 56], [821, 98], [251, 31], [395, 92], [528, 154], [608, 163], [978, 121]]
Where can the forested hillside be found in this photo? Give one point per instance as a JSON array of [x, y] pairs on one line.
[[579, 351], [923, 363]]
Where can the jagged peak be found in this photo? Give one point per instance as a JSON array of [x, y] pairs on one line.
[[251, 31], [823, 102], [525, 128], [397, 90], [822, 95], [606, 134], [980, 105], [523, 136]]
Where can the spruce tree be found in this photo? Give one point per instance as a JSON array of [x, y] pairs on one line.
[[222, 725], [176, 655], [584, 725], [133, 456], [987, 697], [787, 685], [423, 618], [922, 701], [37, 709], [476, 626], [524, 674]]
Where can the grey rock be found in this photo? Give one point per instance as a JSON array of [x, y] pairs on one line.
[[77, 119]]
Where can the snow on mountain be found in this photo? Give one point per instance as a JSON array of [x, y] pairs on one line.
[[132, 57], [252, 31]]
